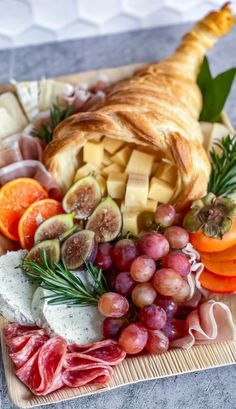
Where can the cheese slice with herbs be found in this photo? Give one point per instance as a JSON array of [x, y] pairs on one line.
[[77, 324]]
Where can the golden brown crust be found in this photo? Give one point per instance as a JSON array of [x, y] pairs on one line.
[[159, 107]]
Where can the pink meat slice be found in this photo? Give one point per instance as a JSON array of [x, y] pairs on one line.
[[96, 374], [28, 346], [107, 351], [210, 322]]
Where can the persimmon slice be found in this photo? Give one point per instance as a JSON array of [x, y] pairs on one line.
[[15, 197], [223, 268], [35, 214], [216, 283], [225, 255]]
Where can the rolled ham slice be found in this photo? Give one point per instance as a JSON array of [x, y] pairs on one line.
[[211, 322]]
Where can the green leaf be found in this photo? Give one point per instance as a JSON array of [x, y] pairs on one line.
[[204, 76], [215, 92]]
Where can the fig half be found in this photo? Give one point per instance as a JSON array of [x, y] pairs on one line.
[[79, 247], [82, 197], [53, 227], [105, 221], [51, 248]]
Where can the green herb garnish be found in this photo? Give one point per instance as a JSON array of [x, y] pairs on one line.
[[57, 115], [67, 288], [214, 91]]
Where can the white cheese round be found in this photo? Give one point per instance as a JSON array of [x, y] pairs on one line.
[[76, 324], [16, 289]]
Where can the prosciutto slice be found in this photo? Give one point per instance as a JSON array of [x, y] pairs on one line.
[[210, 322], [46, 364]]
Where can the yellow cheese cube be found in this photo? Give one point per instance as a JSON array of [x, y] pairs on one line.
[[140, 163], [130, 223], [150, 206], [85, 170], [166, 172], [112, 145], [160, 190], [121, 157], [106, 159], [93, 152], [136, 190], [116, 184], [114, 167], [102, 182]]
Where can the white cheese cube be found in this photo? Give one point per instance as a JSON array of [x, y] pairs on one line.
[[93, 152], [114, 167], [167, 172], [102, 182], [121, 157], [85, 170], [130, 223], [106, 159], [112, 145], [160, 190], [136, 190], [150, 207], [140, 163], [116, 184]]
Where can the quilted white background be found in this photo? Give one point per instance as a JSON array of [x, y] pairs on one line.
[[24, 22]]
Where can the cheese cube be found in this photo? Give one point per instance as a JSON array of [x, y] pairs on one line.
[[85, 170], [112, 145], [116, 184], [157, 154], [140, 163], [114, 167], [93, 152], [150, 207], [130, 223], [136, 190], [167, 172], [160, 190], [106, 159], [102, 182], [121, 157]]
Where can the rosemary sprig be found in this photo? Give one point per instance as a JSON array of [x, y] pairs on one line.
[[66, 287], [57, 115], [222, 180]]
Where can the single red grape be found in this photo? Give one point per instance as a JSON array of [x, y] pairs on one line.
[[157, 342], [178, 262], [143, 294], [153, 245], [142, 269], [104, 256], [113, 305], [168, 304], [133, 338], [165, 215], [183, 294], [124, 283], [124, 252], [112, 327], [152, 317], [174, 329], [177, 237], [167, 282]]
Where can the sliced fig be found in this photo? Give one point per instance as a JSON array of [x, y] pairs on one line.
[[82, 197], [51, 248], [105, 221], [53, 227], [79, 247]]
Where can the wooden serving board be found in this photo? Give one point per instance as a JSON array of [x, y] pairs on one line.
[[131, 370]]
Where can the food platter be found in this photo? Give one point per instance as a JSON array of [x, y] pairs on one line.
[[132, 370], [118, 225]]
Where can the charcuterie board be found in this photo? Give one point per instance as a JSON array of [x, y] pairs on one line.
[[135, 369]]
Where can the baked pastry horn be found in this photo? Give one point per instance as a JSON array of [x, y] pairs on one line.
[[159, 107]]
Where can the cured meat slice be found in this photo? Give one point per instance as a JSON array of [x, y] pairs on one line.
[[26, 348], [107, 351], [94, 374], [210, 322], [15, 330]]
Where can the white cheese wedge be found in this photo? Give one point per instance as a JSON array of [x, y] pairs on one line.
[[50, 92], [11, 104], [28, 94], [16, 290], [140, 162], [136, 190], [75, 324], [9, 125]]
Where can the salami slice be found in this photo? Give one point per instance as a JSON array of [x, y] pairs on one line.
[[107, 351], [94, 374], [28, 345]]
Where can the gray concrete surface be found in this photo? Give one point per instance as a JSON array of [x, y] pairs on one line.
[[211, 389]]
